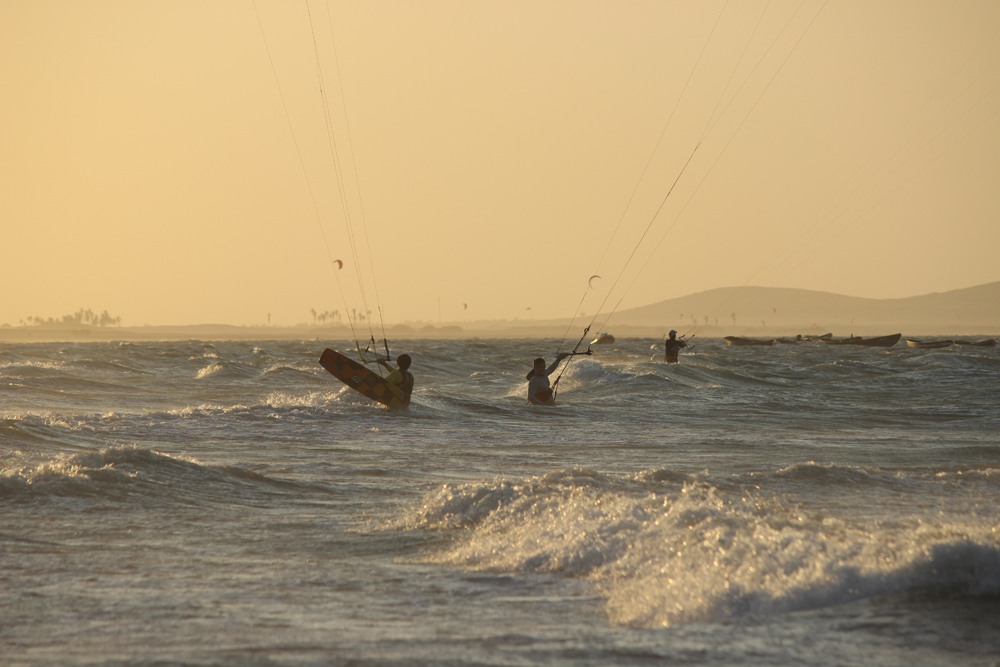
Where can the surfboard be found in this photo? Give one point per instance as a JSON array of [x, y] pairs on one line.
[[362, 380]]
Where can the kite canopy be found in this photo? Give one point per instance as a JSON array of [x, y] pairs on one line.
[[591, 281], [339, 264]]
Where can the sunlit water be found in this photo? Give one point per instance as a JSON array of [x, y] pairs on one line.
[[230, 503]]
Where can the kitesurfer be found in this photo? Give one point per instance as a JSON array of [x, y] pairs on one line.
[[539, 391], [401, 377], [671, 347]]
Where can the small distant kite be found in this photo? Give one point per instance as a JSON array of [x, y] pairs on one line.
[[339, 264], [528, 308], [591, 281], [465, 306]]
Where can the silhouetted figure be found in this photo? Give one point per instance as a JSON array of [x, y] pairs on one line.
[[539, 391], [672, 346], [401, 377]]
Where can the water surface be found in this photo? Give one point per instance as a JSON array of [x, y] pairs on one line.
[[230, 503]]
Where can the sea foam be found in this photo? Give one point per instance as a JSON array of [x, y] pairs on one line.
[[665, 548]]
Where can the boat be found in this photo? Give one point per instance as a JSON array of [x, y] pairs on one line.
[[878, 341], [803, 339], [927, 344], [989, 342], [736, 340], [603, 338]]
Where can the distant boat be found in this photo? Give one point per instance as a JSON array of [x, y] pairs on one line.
[[802, 339], [989, 342], [880, 341], [603, 338], [736, 340], [790, 341], [927, 344]]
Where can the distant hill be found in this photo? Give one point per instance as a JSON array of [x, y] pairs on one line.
[[757, 310], [777, 307]]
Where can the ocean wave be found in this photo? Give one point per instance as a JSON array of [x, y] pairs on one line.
[[587, 374], [117, 367], [591, 372], [26, 368], [95, 428], [226, 370], [845, 369], [712, 376], [283, 373], [312, 399], [44, 433], [13, 432], [210, 369], [845, 477], [132, 474], [667, 548], [828, 474]]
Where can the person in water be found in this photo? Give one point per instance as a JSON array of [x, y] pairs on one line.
[[401, 377], [539, 391], [671, 347]]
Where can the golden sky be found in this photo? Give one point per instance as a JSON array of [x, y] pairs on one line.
[[147, 165]]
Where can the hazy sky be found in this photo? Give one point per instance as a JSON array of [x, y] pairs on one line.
[[147, 165]]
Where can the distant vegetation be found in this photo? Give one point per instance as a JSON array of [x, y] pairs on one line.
[[78, 318], [333, 316], [321, 318]]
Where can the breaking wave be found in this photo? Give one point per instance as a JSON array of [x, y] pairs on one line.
[[133, 475], [666, 548]]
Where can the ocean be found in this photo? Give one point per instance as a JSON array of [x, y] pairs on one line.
[[231, 503]]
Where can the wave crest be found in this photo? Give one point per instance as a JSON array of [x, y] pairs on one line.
[[130, 474], [670, 548]]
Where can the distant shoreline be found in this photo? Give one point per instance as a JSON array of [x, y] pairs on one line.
[[972, 311], [228, 332]]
